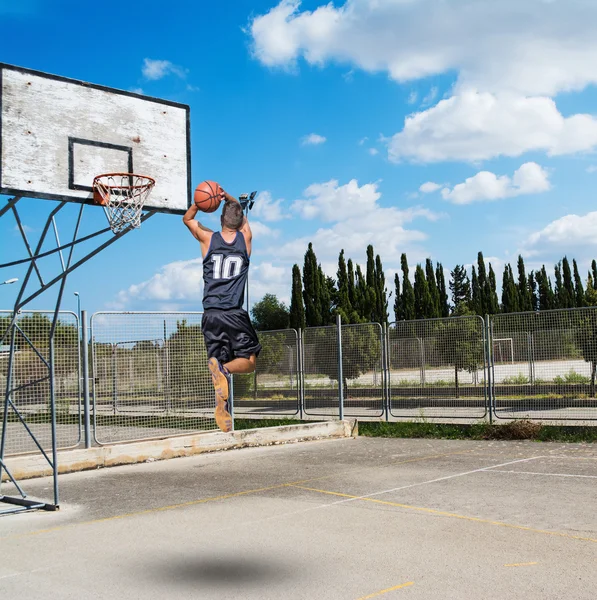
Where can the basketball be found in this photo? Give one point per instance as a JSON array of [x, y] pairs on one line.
[[207, 196]]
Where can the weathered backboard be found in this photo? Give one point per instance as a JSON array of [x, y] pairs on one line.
[[56, 134]]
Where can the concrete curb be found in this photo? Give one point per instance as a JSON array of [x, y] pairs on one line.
[[81, 459]]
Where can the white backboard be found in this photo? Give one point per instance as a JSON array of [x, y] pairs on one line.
[[57, 134]]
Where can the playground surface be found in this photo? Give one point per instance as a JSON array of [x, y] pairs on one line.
[[342, 519]]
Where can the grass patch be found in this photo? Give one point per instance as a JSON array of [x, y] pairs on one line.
[[516, 430], [259, 423]]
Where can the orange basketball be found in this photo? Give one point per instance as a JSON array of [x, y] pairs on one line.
[[207, 196]]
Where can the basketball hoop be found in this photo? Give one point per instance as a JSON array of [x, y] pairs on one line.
[[123, 196]]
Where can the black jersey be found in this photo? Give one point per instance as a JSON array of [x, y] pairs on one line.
[[225, 271]]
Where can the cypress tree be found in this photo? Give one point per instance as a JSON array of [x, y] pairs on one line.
[[423, 300], [510, 300], [532, 285], [327, 291], [545, 292], [591, 293], [312, 289], [594, 272], [362, 303], [505, 298], [460, 287], [568, 284], [560, 293], [344, 308], [523, 291], [494, 305], [476, 304], [433, 289], [351, 285], [443, 294], [578, 288], [371, 315], [408, 294], [398, 311], [381, 292], [297, 306], [484, 302]]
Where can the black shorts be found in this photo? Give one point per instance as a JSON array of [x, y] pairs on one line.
[[229, 334]]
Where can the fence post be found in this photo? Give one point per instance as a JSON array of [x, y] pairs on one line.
[[489, 404], [85, 365], [340, 377], [300, 374], [385, 366]]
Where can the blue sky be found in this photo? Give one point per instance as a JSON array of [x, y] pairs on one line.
[[433, 128]]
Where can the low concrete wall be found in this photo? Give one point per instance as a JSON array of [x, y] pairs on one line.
[[35, 465]]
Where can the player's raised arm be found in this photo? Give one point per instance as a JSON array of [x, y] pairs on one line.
[[200, 232]]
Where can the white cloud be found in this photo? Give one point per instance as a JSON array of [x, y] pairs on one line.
[[412, 97], [591, 169], [363, 140], [571, 230], [477, 126], [530, 178], [260, 230], [331, 202], [180, 280], [429, 187], [529, 47], [157, 69], [268, 209], [431, 96], [137, 90], [373, 151], [313, 139]]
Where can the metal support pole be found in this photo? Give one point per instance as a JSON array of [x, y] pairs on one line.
[[300, 374], [53, 418], [85, 360], [340, 376], [385, 366], [488, 384]]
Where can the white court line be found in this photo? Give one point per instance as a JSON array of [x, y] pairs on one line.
[[549, 474], [404, 487], [25, 572]]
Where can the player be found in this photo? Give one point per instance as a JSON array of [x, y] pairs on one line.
[[231, 341]]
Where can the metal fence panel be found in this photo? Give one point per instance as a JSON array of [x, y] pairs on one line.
[[552, 373], [30, 380], [437, 368], [274, 387], [362, 370], [150, 376], [320, 371]]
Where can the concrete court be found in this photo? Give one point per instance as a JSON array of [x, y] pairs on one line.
[[345, 519]]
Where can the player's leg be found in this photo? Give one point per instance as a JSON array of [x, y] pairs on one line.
[[218, 351], [242, 365]]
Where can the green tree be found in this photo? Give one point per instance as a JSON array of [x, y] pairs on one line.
[[433, 290], [494, 305], [371, 315], [532, 284], [570, 297], [408, 294], [483, 307], [460, 288], [398, 311], [524, 294], [423, 300], [270, 314], [544, 290], [586, 340], [510, 299], [381, 292], [443, 294], [312, 289], [351, 285], [297, 306], [327, 294], [594, 271], [476, 303], [579, 292], [344, 308], [591, 293]]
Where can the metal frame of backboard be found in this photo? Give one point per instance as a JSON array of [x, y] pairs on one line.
[[41, 275]]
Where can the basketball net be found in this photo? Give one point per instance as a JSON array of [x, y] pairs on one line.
[[123, 196]]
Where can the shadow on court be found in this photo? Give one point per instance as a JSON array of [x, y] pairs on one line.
[[346, 519]]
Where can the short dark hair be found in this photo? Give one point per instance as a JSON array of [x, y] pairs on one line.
[[232, 215]]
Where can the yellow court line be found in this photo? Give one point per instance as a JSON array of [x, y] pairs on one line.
[[441, 513], [522, 564], [396, 587], [211, 499]]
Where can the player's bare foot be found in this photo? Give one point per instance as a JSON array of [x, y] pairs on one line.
[[221, 381]]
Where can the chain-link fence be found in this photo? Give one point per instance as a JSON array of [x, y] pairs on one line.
[[150, 376], [274, 387], [550, 374], [437, 368], [320, 371], [363, 370], [30, 380]]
